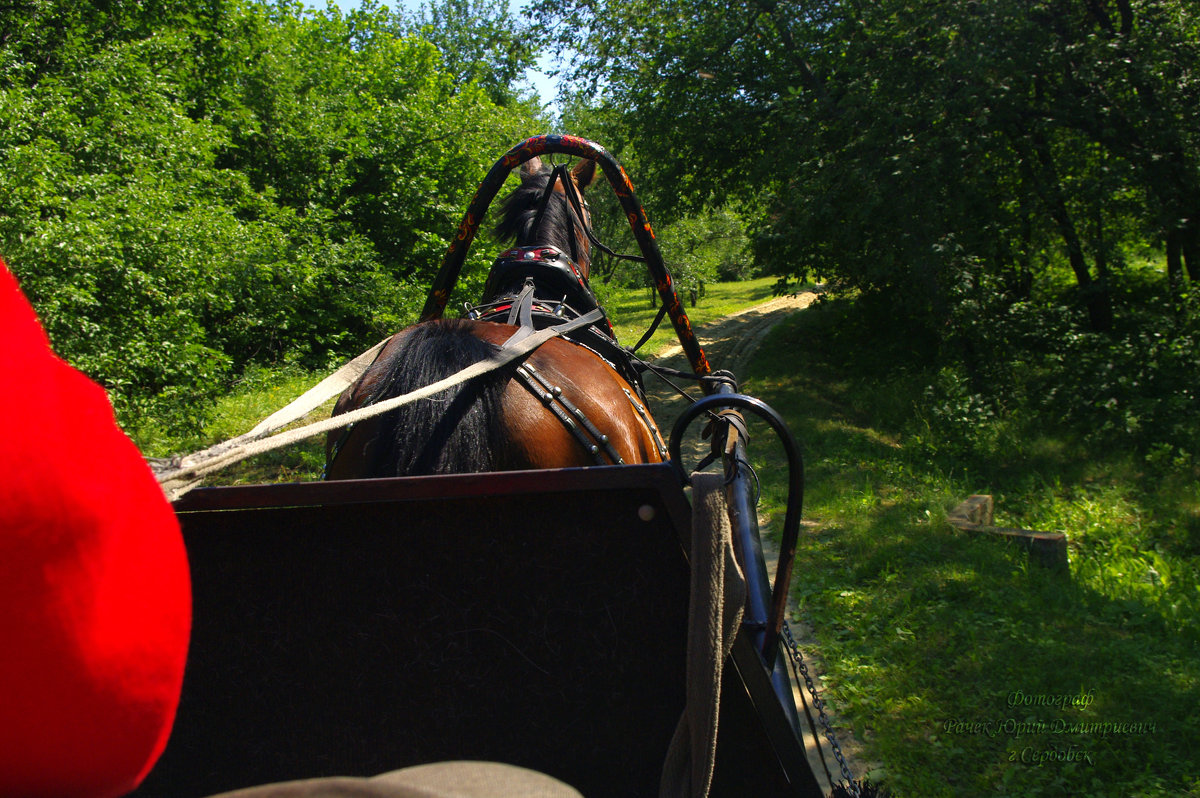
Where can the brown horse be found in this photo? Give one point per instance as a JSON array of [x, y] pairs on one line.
[[566, 404]]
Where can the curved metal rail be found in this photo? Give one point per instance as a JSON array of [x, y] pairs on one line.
[[734, 463], [765, 605]]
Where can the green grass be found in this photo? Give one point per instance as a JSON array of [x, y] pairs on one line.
[[257, 395], [926, 632]]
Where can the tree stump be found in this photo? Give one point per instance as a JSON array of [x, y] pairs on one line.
[[975, 515]]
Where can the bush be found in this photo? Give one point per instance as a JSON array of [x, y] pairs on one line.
[[1038, 365], [193, 194]]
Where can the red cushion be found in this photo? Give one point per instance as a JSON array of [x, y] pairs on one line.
[[95, 597]]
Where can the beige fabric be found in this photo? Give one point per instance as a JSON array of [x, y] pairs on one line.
[[174, 474], [438, 780], [319, 394], [718, 596], [177, 478]]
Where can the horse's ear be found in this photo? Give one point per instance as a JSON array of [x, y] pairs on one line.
[[584, 173], [531, 167]]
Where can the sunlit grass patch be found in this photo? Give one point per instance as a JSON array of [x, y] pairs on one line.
[[258, 394], [631, 313], [920, 626]]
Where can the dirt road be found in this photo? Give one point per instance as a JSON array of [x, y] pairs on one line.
[[728, 343]]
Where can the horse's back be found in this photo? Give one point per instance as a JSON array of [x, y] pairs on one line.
[[450, 431], [493, 422]]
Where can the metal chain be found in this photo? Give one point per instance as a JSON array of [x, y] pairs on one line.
[[827, 728]]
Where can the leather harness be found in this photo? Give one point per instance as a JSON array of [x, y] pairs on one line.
[[537, 287], [533, 288]]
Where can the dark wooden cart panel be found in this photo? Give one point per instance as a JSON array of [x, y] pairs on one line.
[[534, 618]]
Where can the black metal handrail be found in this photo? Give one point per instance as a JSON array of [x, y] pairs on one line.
[[766, 604]]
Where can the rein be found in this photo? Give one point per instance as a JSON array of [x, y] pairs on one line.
[[576, 203], [180, 479], [575, 210]]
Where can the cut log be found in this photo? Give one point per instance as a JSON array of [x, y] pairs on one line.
[[975, 515]]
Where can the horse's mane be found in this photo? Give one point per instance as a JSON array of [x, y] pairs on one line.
[[519, 210], [453, 432]]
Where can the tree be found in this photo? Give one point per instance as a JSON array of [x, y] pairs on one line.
[[900, 142], [480, 43], [183, 195]]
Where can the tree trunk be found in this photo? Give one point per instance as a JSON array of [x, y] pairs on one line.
[[1126, 11], [1021, 277], [1191, 250], [1175, 260], [1094, 292]]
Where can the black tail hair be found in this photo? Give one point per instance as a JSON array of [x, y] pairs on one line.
[[456, 431]]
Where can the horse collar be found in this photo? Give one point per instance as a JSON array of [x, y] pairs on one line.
[[544, 254], [548, 266]]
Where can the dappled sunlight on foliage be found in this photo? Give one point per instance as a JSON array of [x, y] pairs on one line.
[[185, 194], [927, 633]]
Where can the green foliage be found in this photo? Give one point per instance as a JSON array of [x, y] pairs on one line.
[[480, 43], [687, 81], [48, 38], [900, 145], [1022, 368], [185, 191], [102, 190], [699, 249], [707, 247], [917, 625]]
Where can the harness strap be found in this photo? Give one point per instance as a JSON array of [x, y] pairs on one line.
[[659, 443], [560, 172], [521, 313], [177, 481], [662, 311], [579, 425], [554, 273]]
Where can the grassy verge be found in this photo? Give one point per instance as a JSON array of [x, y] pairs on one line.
[[254, 397], [945, 653]]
